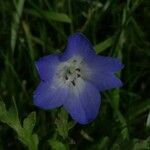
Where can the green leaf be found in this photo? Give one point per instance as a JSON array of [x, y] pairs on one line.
[[62, 123], [103, 144], [15, 22], [104, 45], [29, 122], [57, 145], [11, 118], [60, 17], [30, 140], [35, 140], [138, 109], [119, 117], [142, 144], [2, 111], [29, 39], [49, 15], [148, 120]]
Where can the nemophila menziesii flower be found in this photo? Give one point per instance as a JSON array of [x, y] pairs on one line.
[[75, 78]]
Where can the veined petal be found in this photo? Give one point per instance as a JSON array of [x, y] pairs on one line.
[[105, 80], [78, 44], [46, 66], [102, 71], [48, 95], [106, 64], [84, 104]]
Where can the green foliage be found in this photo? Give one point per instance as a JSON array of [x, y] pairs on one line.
[[51, 16], [31, 29], [25, 135], [63, 125], [16, 20], [56, 145], [60, 17], [100, 47]]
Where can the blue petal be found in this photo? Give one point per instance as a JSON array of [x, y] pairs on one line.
[[109, 64], [102, 72], [78, 44], [48, 95], [84, 106], [46, 66], [105, 81]]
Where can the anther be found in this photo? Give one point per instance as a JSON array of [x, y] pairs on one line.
[[78, 75], [73, 83], [77, 69], [66, 77], [74, 60]]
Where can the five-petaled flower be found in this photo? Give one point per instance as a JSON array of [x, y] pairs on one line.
[[75, 79]]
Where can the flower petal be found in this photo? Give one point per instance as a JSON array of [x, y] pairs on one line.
[[102, 71], [84, 105], [46, 66], [78, 44], [108, 64], [48, 95], [105, 81]]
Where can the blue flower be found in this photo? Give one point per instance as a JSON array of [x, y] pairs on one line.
[[75, 79]]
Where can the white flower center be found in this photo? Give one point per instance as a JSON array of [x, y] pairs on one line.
[[72, 73]]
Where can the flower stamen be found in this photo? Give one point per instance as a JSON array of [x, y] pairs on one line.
[[73, 82], [70, 72]]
